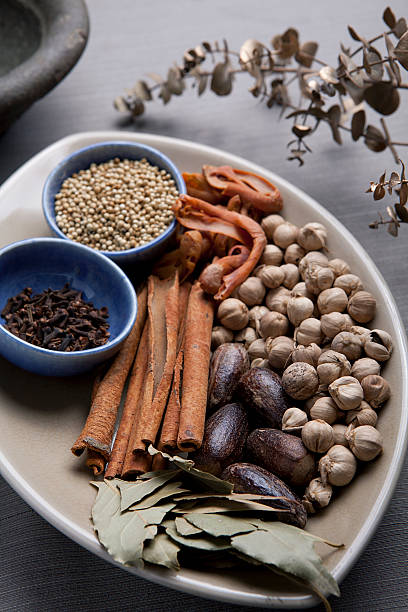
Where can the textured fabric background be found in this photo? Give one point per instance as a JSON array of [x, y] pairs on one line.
[[40, 569]]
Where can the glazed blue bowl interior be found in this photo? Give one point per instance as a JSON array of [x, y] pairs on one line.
[[42, 263], [99, 153]]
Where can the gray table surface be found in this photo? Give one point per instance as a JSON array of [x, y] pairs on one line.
[[41, 569]]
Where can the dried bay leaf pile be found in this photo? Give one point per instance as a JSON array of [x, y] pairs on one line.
[[173, 516]]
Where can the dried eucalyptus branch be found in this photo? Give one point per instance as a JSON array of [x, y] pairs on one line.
[[373, 77]]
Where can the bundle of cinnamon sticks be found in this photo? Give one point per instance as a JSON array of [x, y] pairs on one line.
[[165, 363]]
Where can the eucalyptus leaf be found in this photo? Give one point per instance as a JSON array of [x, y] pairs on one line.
[[289, 549], [389, 18], [329, 74], [306, 53], [162, 550], [403, 194], [250, 55], [131, 493], [374, 139], [221, 81], [402, 212], [357, 124], [401, 51], [382, 97], [142, 90], [220, 524], [201, 542], [175, 83]]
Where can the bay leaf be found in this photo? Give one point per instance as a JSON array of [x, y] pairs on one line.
[[212, 506], [220, 524], [212, 482], [131, 493], [201, 542], [169, 490], [162, 550], [123, 533], [106, 505], [289, 549], [185, 528]]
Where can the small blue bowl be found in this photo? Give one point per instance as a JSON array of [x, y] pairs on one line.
[[42, 263], [99, 153]]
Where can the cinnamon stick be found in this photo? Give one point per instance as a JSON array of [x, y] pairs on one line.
[[170, 426], [98, 430], [130, 408], [95, 461], [163, 322], [199, 320]]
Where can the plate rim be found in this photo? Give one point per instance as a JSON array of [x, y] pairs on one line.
[[194, 586]]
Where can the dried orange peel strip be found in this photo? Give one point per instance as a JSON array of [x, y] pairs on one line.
[[253, 189], [197, 214]]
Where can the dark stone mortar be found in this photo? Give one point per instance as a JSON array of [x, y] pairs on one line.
[[40, 41]]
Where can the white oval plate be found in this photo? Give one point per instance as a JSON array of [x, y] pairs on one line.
[[41, 417]]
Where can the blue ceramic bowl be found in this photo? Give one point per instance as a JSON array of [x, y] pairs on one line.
[[42, 263], [99, 153]]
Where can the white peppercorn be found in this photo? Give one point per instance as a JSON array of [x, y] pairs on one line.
[[116, 205]]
